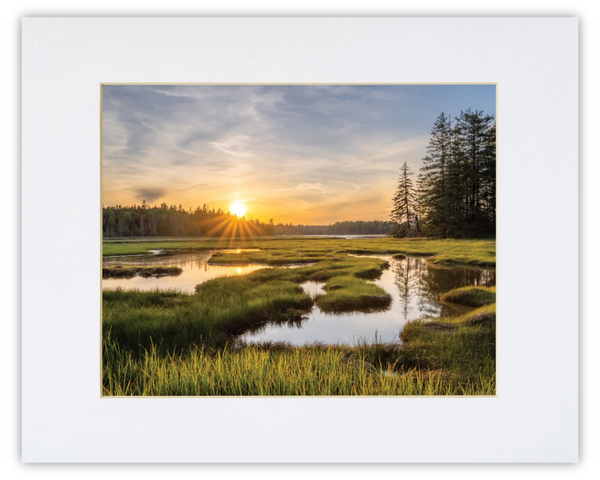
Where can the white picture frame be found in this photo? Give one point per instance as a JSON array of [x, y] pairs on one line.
[[534, 62]]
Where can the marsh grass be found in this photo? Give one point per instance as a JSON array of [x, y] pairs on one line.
[[224, 307], [257, 371], [282, 250], [129, 271], [169, 343], [344, 293], [471, 296], [463, 346]]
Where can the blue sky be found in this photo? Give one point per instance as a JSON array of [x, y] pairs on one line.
[[301, 154]]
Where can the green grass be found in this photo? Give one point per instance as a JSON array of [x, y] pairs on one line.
[[311, 370], [281, 250], [471, 296], [462, 347], [344, 293], [224, 307], [128, 271]]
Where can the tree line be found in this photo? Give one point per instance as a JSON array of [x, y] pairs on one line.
[[175, 221], [455, 191], [359, 227]]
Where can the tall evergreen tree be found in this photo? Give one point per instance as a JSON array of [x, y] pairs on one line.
[[434, 200], [406, 222]]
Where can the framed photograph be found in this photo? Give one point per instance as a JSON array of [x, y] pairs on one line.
[[332, 232], [362, 278]]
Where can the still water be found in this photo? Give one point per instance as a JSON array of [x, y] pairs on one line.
[[415, 287], [414, 284], [195, 270]]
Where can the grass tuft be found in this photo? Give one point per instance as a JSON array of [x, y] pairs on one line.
[[129, 271], [471, 296], [346, 293]]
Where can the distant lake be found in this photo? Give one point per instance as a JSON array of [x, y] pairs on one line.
[[337, 236]]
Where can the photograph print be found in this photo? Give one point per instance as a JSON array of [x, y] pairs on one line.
[[285, 240]]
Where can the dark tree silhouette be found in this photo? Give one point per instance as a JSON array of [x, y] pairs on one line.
[[404, 216]]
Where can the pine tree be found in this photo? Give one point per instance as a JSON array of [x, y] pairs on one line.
[[435, 202], [406, 222]]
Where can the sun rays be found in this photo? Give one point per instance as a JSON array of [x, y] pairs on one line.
[[233, 227]]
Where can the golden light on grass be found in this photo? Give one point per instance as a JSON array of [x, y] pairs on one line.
[[238, 208]]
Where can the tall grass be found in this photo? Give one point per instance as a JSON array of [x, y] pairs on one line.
[[254, 371], [224, 307], [471, 296], [464, 345]]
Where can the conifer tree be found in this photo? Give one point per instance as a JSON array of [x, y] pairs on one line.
[[435, 202], [406, 221]]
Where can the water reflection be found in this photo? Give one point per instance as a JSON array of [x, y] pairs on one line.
[[195, 270], [415, 287]]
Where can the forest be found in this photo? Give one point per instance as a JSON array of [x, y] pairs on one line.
[[360, 227], [175, 221]]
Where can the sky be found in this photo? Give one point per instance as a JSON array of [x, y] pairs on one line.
[[301, 154]]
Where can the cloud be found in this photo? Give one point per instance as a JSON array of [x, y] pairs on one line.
[[150, 194]]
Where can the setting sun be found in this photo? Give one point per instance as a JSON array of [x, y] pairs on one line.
[[238, 208]]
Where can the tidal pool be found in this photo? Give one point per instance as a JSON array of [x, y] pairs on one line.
[[415, 287]]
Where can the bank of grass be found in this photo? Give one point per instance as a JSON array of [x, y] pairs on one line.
[[283, 250], [254, 370], [174, 322], [471, 296], [345, 293], [129, 271], [463, 346]]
